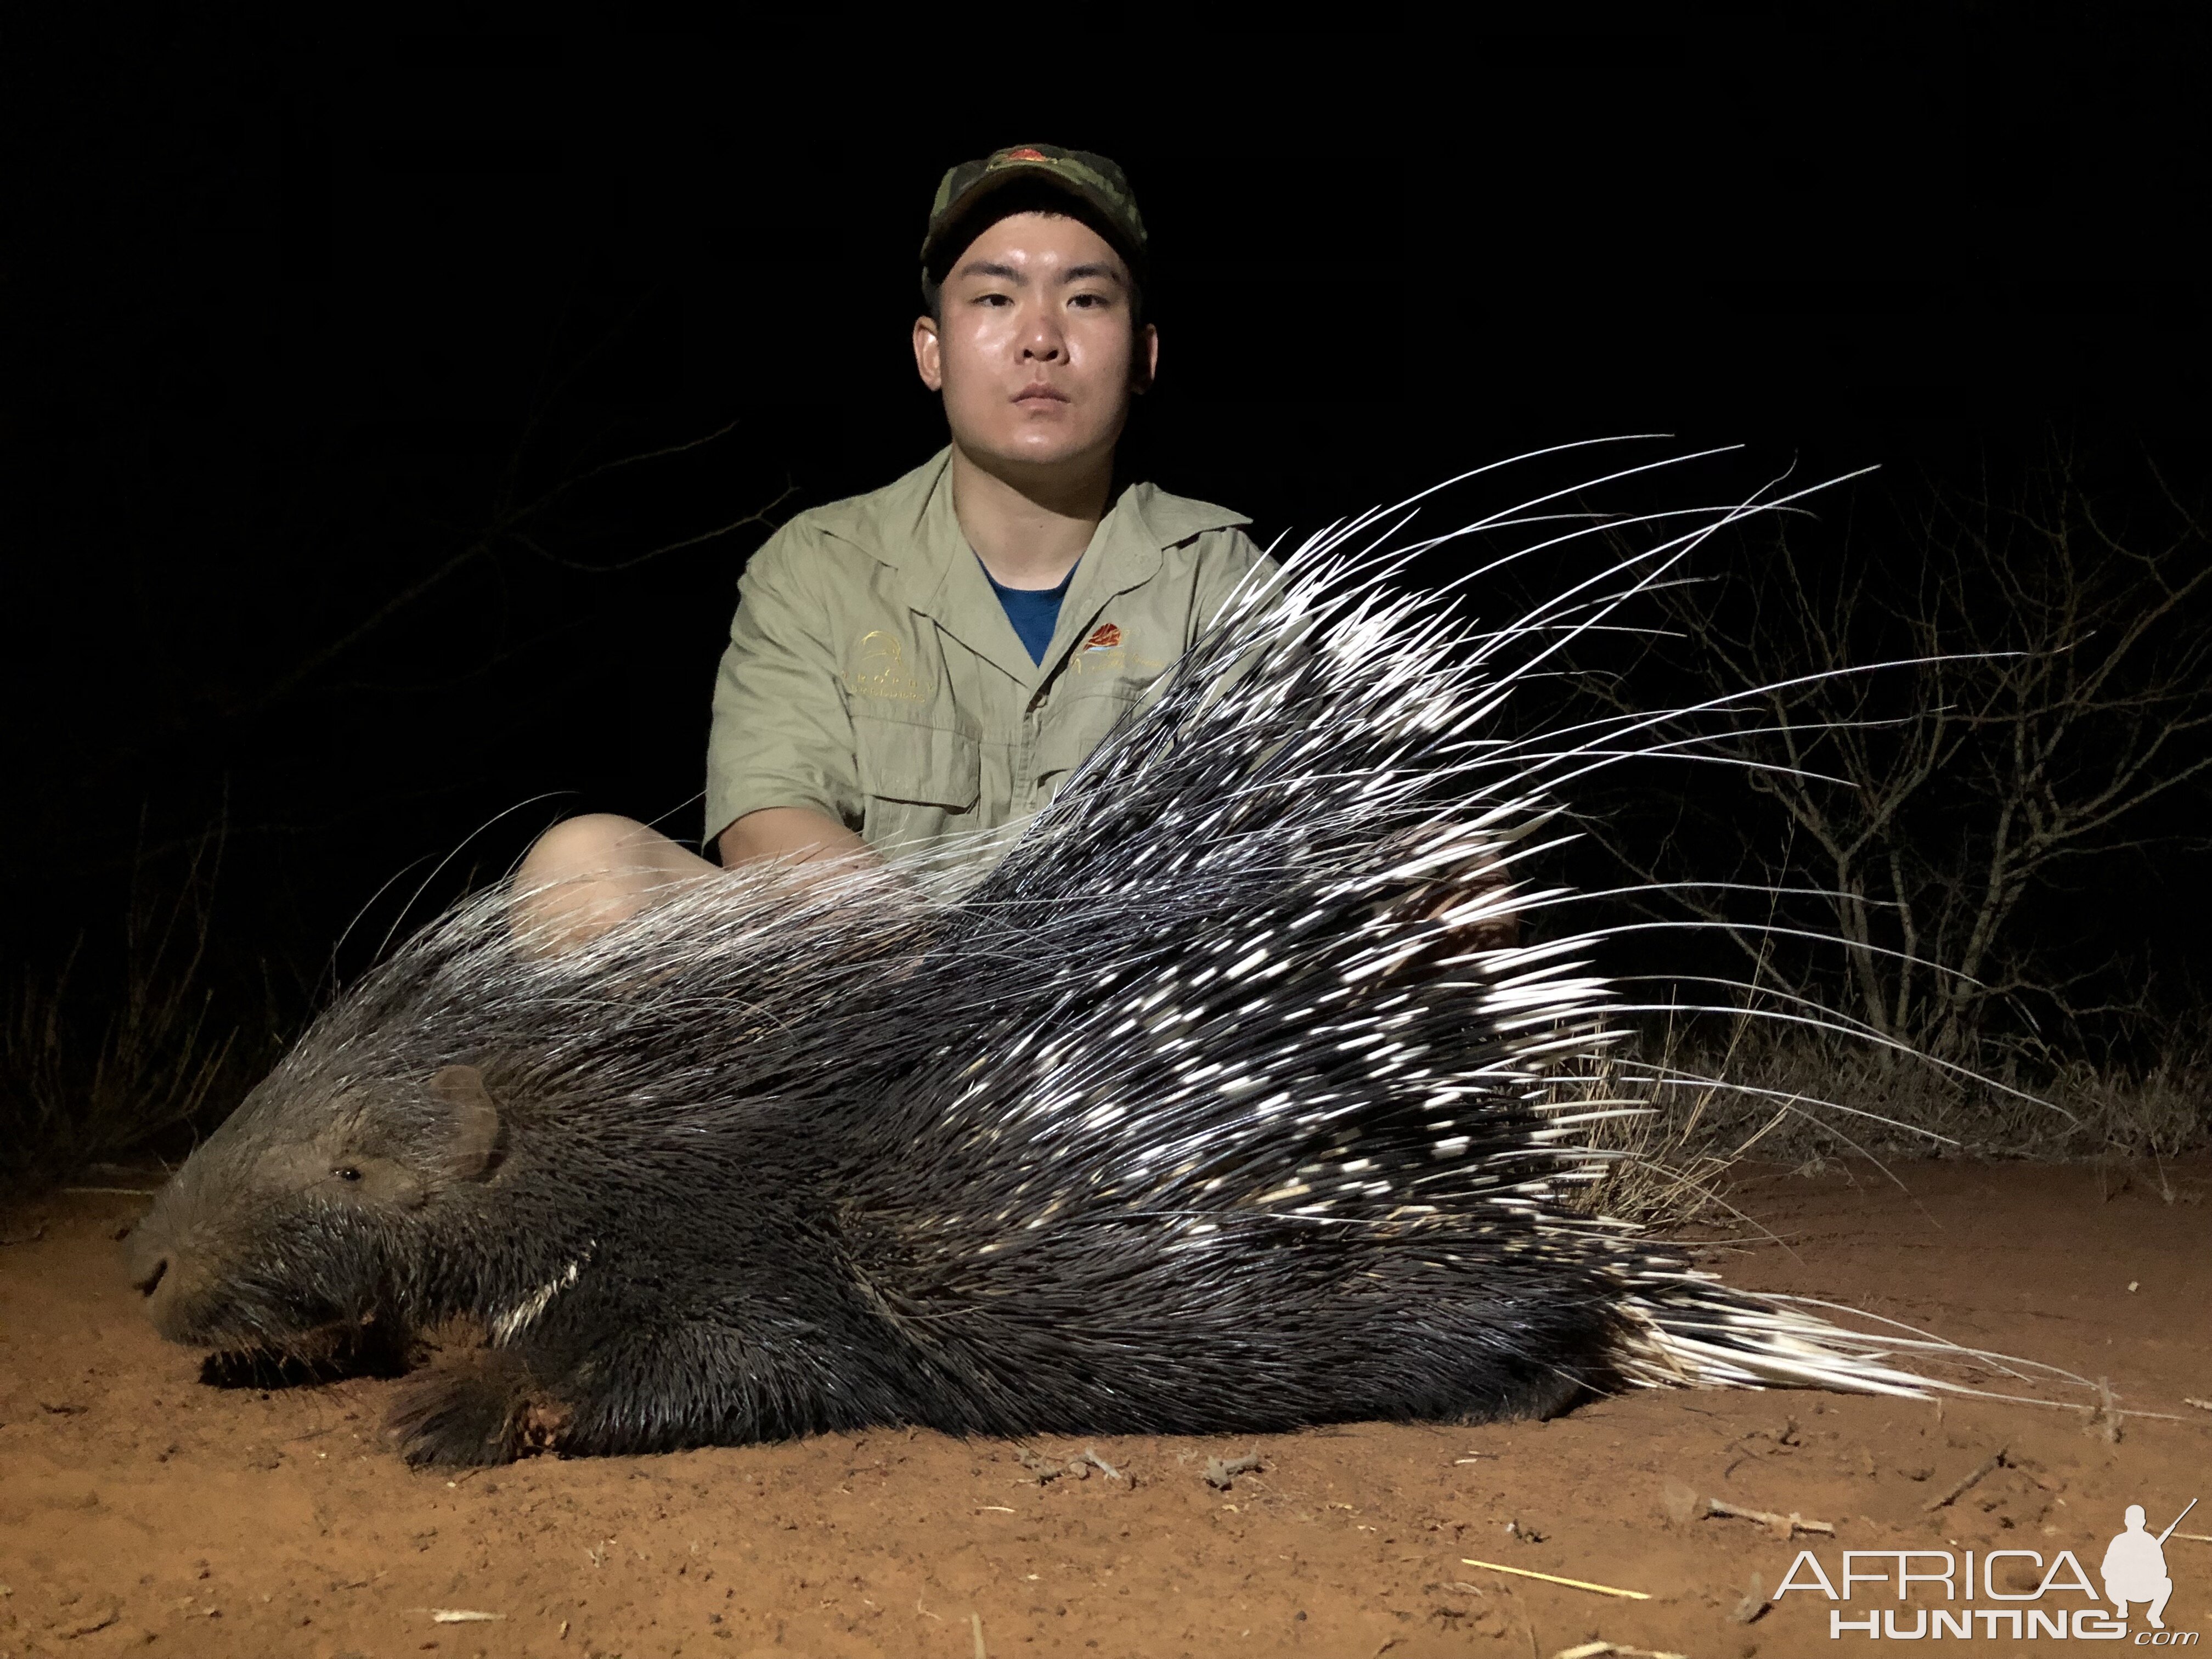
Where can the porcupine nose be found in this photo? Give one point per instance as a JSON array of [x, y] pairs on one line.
[[165, 1280]]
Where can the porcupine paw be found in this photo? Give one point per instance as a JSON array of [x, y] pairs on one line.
[[321, 1355], [469, 1404]]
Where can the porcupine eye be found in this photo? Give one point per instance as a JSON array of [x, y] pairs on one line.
[[346, 1172]]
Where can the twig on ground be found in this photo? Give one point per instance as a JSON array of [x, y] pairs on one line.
[[2105, 1415], [1754, 1602], [1594, 1649], [1683, 1506], [1986, 1467], [1221, 1472], [1784, 1526], [1048, 1469], [1553, 1578]]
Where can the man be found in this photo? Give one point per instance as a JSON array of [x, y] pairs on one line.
[[935, 658]]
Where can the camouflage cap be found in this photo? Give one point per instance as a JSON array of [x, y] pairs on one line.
[[1091, 179]]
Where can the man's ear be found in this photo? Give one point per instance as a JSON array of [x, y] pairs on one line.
[[473, 1123], [928, 353], [1145, 361]]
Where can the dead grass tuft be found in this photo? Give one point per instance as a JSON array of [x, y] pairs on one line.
[[1805, 1098], [97, 1063]]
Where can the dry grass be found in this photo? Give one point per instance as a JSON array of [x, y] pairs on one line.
[[95, 1064], [1803, 1099]]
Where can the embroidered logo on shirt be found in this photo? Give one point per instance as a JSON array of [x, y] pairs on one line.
[[880, 669], [1103, 637]]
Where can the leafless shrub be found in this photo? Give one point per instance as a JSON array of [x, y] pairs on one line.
[[1966, 691]]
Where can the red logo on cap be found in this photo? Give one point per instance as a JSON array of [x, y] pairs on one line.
[[1025, 154], [1102, 636]]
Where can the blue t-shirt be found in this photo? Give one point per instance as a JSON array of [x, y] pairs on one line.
[[1034, 611]]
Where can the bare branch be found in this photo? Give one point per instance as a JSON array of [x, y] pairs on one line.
[[2056, 680]]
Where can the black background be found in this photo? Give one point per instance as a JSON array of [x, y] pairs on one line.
[[292, 321]]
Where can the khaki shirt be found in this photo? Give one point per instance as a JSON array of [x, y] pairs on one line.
[[872, 675]]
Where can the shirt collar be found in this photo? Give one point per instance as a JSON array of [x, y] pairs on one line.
[[911, 527]]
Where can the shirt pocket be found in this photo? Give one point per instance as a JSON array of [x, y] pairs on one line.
[[1077, 726], [917, 782]]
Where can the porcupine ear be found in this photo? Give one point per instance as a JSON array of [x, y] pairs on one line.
[[473, 1124]]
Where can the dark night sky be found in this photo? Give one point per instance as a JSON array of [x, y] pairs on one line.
[[286, 322]]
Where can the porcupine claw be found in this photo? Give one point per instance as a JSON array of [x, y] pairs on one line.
[[469, 1404]]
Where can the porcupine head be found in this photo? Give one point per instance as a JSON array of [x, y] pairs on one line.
[[385, 1194], [315, 1227], [348, 1219], [418, 1183]]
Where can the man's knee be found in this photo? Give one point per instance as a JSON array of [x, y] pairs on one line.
[[582, 876], [588, 845]]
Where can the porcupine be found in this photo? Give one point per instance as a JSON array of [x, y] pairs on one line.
[[1199, 1113]]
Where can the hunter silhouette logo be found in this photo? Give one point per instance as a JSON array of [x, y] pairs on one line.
[[2133, 1571], [2135, 1566]]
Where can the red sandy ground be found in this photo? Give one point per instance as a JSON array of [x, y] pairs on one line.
[[140, 1511]]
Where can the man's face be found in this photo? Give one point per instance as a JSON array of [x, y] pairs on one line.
[[1035, 350]]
